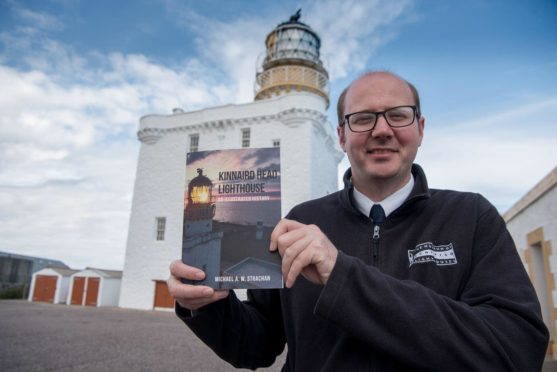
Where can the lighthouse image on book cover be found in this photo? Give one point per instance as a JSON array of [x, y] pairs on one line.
[[231, 205]]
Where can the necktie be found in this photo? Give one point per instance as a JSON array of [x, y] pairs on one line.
[[377, 214]]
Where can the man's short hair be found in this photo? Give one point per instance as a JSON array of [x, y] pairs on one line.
[[342, 97]]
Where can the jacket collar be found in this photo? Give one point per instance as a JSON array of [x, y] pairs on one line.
[[420, 190]]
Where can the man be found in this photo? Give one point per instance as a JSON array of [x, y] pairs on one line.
[[431, 281]]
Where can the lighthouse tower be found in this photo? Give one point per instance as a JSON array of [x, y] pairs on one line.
[[289, 111]]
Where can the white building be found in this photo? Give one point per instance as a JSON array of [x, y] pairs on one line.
[[532, 222], [50, 284], [289, 111]]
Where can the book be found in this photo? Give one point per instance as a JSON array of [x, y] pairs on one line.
[[232, 202]]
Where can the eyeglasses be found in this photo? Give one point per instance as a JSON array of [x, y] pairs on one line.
[[396, 117]]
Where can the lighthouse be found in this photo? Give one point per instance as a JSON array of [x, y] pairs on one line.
[[289, 111], [202, 243]]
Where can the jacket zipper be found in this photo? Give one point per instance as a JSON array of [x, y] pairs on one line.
[[376, 237]]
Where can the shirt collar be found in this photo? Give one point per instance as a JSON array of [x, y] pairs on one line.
[[389, 204]]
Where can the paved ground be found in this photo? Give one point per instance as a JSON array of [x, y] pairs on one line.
[[550, 366], [45, 337]]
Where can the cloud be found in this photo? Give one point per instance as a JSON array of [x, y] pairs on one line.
[[82, 222], [235, 48], [536, 113], [231, 48], [68, 147], [501, 154], [40, 20], [352, 31]]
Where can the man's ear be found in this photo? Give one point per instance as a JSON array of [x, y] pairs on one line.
[[341, 137], [421, 126]]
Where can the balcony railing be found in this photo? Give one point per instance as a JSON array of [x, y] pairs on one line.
[[291, 77]]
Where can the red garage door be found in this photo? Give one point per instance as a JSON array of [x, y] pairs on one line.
[[162, 297], [77, 290], [45, 288], [92, 292]]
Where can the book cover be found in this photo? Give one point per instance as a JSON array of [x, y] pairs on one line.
[[232, 202]]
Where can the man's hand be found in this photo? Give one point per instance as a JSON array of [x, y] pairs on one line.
[[304, 249], [191, 297]]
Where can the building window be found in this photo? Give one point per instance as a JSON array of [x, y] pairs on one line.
[[245, 137], [161, 227], [276, 143], [194, 142]]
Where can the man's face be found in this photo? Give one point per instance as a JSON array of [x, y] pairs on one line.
[[385, 154]]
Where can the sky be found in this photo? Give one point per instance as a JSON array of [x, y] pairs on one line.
[[77, 75]]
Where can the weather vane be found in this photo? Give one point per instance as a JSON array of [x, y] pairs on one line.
[[296, 16]]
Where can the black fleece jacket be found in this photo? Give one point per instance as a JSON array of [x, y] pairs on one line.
[[441, 289]]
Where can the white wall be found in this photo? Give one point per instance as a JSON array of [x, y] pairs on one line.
[[159, 192], [323, 180], [110, 292], [62, 290], [541, 213]]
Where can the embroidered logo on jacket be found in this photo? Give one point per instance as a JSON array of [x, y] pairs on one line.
[[442, 255]]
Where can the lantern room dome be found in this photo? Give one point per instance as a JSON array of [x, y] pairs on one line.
[[292, 40], [292, 62], [200, 180], [200, 190]]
